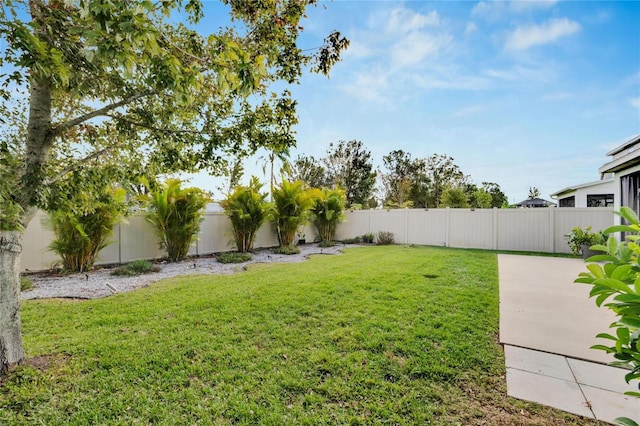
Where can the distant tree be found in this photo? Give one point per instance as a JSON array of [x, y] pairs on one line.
[[310, 171], [498, 198], [534, 192], [397, 179], [480, 199], [441, 173], [455, 198], [350, 167]]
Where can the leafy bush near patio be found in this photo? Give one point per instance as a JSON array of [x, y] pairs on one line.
[[617, 283], [579, 237], [233, 257], [83, 225], [175, 214], [360, 338], [385, 238], [137, 267], [247, 209], [328, 212]]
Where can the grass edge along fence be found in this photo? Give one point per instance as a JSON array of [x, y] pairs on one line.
[[534, 230]]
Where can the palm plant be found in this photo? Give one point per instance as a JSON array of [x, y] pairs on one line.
[[247, 210], [176, 214], [328, 212], [290, 210], [81, 233]]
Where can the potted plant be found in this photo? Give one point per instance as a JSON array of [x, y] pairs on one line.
[[581, 239], [301, 238]]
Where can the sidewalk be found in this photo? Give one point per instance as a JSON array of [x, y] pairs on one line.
[[547, 325]]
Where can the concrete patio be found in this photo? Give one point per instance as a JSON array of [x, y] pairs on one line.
[[547, 325]]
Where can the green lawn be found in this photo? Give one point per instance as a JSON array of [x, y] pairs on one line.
[[391, 335]]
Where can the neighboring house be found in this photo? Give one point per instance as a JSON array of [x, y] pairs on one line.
[[625, 167], [534, 202], [593, 194]]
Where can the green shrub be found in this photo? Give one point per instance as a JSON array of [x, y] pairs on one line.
[[328, 212], [234, 257], [368, 238], [137, 267], [385, 238], [355, 240], [290, 249], [82, 231], [290, 210], [616, 282], [25, 283], [247, 209], [176, 213]]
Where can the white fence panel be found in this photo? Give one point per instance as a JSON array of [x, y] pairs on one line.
[[427, 227], [538, 230], [36, 239], [598, 218], [356, 223], [138, 240], [390, 221], [524, 229], [471, 229]]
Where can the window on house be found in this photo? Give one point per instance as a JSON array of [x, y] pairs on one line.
[[568, 202], [600, 200]]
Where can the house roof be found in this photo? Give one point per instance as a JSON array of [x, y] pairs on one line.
[[631, 158], [535, 202], [580, 186]]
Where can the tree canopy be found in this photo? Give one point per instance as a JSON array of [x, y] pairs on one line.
[[129, 87]]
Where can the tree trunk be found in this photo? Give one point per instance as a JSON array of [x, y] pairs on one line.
[[10, 335]]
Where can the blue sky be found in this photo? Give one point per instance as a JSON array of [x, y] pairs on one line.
[[519, 93]]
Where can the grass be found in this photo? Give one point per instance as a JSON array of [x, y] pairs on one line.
[[26, 284], [393, 335]]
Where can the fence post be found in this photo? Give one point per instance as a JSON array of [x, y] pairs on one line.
[[447, 226], [494, 244], [552, 239], [120, 243], [406, 226]]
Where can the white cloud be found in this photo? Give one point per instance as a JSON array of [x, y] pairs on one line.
[[416, 47], [470, 110], [404, 20], [369, 86], [471, 28], [520, 6], [497, 10], [635, 102], [531, 35], [357, 50]]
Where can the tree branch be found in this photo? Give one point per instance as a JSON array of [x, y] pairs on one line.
[[58, 129], [153, 128]]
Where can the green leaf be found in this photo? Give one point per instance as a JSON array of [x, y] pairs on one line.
[[614, 284], [596, 270], [629, 215], [624, 421], [620, 228], [605, 336]]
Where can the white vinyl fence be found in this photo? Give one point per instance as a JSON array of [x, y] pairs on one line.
[[538, 230]]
